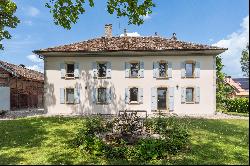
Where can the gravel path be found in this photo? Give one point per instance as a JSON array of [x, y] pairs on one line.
[[41, 112]]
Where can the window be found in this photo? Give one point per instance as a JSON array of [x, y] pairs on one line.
[[133, 94], [162, 69], [70, 95], [70, 70], [102, 69], [134, 69], [189, 67], [189, 94], [101, 95]]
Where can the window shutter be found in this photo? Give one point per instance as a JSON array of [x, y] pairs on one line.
[[197, 69], [94, 68], [62, 95], [127, 69], [63, 71], [76, 70], [127, 96], [77, 94], [183, 95], [171, 99], [183, 72], [153, 99], [94, 95], [140, 96], [157, 70], [109, 95], [169, 70], [108, 69], [141, 69], [197, 94]]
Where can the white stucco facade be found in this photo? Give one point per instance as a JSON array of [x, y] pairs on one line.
[[118, 82]]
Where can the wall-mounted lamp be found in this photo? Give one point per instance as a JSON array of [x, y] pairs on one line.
[[86, 87], [177, 86]]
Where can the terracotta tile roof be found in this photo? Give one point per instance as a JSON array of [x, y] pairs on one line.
[[21, 71], [153, 43], [240, 85]]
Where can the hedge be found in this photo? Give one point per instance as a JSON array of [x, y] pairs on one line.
[[240, 105]]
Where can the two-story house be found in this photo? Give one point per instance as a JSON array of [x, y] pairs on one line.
[[108, 74]]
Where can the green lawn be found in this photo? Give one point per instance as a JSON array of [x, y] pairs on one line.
[[45, 141]]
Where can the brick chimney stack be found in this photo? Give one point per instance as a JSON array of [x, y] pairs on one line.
[[108, 30]]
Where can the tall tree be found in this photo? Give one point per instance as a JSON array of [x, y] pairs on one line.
[[245, 61], [67, 12], [222, 89], [7, 19]]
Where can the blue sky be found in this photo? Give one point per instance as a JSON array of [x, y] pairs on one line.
[[214, 22]]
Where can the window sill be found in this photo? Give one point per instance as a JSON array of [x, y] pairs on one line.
[[189, 77], [134, 103], [190, 102], [162, 78], [70, 103], [99, 103]]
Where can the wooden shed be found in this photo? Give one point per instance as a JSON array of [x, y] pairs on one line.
[[25, 86]]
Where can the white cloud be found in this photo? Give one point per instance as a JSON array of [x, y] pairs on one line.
[[147, 17], [34, 58], [28, 22], [36, 67], [133, 34], [235, 43], [32, 11]]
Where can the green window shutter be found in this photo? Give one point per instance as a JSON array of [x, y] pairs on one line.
[[127, 96], [171, 99], [197, 69], [154, 99], [140, 95], [109, 95], [77, 94], [183, 95], [76, 70], [127, 69], [155, 69], [183, 70], [62, 95], [94, 69], [141, 69], [197, 95], [94, 95], [169, 70], [63, 70], [109, 69]]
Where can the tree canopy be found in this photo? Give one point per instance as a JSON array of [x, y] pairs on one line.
[[245, 61], [67, 12]]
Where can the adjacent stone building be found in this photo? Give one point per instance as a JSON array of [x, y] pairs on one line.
[[20, 87]]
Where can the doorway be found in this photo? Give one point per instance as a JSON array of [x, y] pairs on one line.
[[162, 98]]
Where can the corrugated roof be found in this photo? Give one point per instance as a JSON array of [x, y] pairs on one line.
[[21, 71], [152, 43]]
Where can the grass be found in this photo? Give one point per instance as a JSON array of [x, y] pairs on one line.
[[237, 113], [46, 141]]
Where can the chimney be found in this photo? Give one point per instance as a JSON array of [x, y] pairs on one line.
[[174, 37], [108, 30], [125, 32]]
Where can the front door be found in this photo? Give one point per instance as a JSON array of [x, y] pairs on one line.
[[162, 98]]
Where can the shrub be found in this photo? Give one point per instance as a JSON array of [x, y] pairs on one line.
[[240, 105], [171, 138]]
